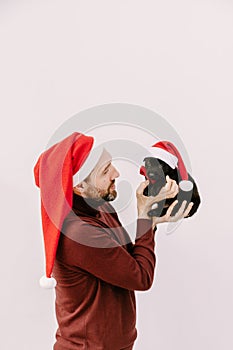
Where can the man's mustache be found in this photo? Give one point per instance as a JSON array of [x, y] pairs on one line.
[[112, 183]]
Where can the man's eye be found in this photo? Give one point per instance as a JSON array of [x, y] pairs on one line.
[[105, 172]]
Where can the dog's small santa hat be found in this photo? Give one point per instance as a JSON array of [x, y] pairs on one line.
[[56, 172], [166, 151]]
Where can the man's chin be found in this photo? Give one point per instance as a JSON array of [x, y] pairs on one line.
[[110, 196]]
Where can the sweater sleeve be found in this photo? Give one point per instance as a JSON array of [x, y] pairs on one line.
[[110, 262]]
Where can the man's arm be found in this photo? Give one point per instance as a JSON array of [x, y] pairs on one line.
[[112, 263], [105, 259]]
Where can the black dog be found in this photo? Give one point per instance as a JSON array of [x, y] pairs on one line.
[[156, 170]]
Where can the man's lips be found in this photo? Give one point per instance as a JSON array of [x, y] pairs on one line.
[[113, 186]]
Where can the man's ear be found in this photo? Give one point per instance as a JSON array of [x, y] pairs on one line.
[[79, 188]]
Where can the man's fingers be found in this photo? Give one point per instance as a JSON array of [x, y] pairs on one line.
[[167, 217], [179, 215], [142, 186], [171, 185], [168, 184], [174, 189], [182, 212], [174, 186], [189, 207], [170, 208]]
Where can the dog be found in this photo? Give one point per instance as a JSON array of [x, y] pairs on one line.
[[155, 170]]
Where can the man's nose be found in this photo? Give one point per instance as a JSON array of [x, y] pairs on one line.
[[115, 173]]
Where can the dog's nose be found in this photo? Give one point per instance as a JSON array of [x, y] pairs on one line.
[[151, 175]]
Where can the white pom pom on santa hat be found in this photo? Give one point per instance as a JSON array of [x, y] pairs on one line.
[[48, 282], [166, 151]]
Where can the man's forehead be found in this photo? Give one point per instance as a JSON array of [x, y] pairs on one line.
[[104, 160]]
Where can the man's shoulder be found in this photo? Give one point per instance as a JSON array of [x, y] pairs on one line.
[[87, 231], [74, 220]]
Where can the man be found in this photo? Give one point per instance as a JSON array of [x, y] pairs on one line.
[[95, 301], [96, 266]]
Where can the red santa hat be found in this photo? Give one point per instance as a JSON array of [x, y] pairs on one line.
[[166, 151], [54, 174]]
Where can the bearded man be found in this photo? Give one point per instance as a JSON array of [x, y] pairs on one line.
[[96, 266]]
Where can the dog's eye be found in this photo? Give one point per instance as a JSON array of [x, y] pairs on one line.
[[147, 162]]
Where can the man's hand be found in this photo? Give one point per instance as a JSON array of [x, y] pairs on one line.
[[144, 203], [182, 213], [170, 190]]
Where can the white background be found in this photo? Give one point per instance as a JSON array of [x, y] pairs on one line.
[[173, 57]]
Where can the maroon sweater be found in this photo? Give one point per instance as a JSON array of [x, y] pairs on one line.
[[97, 269]]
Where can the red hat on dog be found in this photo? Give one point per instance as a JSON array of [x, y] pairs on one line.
[[54, 175], [167, 151]]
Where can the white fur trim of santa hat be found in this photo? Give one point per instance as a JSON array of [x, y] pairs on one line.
[[89, 164], [167, 157]]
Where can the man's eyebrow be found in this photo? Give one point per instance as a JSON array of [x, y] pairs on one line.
[[107, 166]]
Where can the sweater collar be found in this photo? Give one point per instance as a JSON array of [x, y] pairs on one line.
[[86, 206]]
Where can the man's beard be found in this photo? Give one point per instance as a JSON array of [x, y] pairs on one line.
[[98, 194], [110, 196]]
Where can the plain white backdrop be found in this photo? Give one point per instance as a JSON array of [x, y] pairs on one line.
[[173, 57]]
